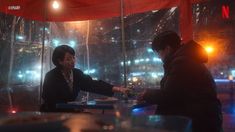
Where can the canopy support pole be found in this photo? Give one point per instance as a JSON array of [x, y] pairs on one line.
[[123, 43], [42, 60], [12, 53], [88, 53], [42, 54]]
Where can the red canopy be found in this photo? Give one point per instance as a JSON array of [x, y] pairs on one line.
[[74, 10]]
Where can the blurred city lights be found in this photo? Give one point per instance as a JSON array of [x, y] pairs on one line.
[[37, 75], [137, 73], [12, 111], [92, 71], [46, 42], [154, 11], [223, 80], [72, 43], [56, 42], [147, 59], [233, 72], [38, 67], [55, 5], [157, 59], [19, 37], [137, 61], [21, 49], [77, 26], [137, 110], [32, 75], [160, 73], [134, 79], [116, 27], [129, 62], [91, 103], [20, 75], [149, 50], [154, 75], [230, 77], [134, 41], [117, 114], [154, 118]]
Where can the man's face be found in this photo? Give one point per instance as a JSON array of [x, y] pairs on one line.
[[164, 53]]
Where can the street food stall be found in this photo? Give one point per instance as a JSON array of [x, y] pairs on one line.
[[64, 11], [112, 41]]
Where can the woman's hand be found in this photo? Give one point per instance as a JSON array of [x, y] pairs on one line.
[[122, 90]]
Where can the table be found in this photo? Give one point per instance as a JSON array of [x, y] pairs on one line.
[[98, 123], [127, 107], [80, 106]]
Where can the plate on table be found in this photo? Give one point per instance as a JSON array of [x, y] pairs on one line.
[[106, 100], [33, 121]]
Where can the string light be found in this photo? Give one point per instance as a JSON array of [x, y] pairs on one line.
[[56, 5]]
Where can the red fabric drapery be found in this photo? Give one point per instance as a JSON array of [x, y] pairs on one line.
[[75, 10]]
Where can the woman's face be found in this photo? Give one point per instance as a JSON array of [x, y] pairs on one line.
[[68, 62]]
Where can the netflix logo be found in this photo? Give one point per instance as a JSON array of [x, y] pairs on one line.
[[225, 8], [225, 12]]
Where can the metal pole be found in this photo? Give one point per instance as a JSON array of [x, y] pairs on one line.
[[42, 60], [88, 52], [42, 53], [123, 42], [12, 53]]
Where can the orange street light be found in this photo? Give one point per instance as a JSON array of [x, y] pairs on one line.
[[209, 49]]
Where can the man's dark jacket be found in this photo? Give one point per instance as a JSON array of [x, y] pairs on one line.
[[56, 89], [188, 89]]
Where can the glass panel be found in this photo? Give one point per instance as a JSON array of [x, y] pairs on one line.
[[97, 46], [20, 53], [214, 29], [144, 67]]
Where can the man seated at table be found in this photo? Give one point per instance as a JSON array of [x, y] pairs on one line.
[[187, 87], [63, 83]]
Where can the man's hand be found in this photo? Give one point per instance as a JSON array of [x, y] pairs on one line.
[[140, 98]]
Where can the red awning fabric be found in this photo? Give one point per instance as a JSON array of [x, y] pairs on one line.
[[76, 10]]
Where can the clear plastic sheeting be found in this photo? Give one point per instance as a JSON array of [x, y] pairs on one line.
[[102, 38]]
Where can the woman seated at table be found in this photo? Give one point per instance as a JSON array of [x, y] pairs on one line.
[[63, 83]]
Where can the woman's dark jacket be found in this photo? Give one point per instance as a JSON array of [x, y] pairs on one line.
[[56, 90], [188, 89]]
